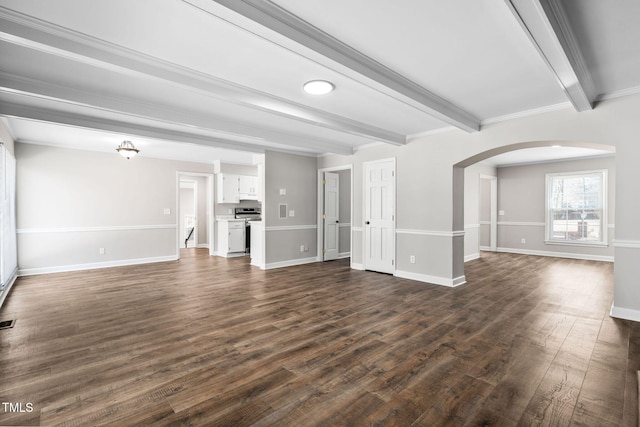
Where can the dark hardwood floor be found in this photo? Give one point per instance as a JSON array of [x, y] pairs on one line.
[[215, 342]]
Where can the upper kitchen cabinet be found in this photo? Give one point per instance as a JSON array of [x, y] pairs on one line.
[[228, 188], [232, 188], [249, 188]]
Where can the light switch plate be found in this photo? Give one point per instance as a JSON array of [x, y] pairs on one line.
[[292, 213], [283, 191], [501, 213], [167, 211]]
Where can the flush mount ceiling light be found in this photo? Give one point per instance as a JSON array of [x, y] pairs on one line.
[[318, 87], [127, 149]]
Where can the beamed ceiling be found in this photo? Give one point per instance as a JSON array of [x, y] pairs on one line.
[[225, 77]]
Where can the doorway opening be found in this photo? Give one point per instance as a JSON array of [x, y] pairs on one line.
[[194, 211], [335, 206]]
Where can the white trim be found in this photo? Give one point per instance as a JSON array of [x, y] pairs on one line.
[[7, 288], [526, 113], [99, 228], [624, 313], [344, 255], [628, 244], [458, 233], [442, 281], [203, 246], [471, 226], [471, 257], [291, 227], [344, 224], [358, 229], [357, 266], [618, 93], [584, 244], [94, 265], [487, 249], [587, 257], [231, 254], [521, 224], [527, 224], [414, 136], [290, 263]]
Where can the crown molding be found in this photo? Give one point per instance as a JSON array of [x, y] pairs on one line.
[[36, 34], [277, 19], [527, 113], [618, 93]]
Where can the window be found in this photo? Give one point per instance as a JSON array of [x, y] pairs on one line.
[[577, 208]]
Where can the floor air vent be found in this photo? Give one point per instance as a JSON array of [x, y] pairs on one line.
[[6, 324]]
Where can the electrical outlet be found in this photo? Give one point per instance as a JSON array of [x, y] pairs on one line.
[[301, 248], [523, 240], [292, 213], [412, 259], [101, 251], [283, 191], [167, 211], [501, 213]]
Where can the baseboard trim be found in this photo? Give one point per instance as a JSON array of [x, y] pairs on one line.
[[357, 266], [202, 246], [290, 263], [625, 313], [442, 281], [586, 257], [7, 288], [344, 255], [231, 254], [94, 265], [471, 257]]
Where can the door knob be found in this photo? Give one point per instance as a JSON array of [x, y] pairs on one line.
[[337, 222], [367, 222]]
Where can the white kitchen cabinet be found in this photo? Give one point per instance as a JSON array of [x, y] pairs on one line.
[[231, 237], [232, 188], [248, 187]]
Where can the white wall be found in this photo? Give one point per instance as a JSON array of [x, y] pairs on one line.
[[71, 203], [431, 188]]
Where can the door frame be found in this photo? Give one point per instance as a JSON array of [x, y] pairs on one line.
[[493, 221], [193, 186], [364, 209], [210, 207], [320, 205]]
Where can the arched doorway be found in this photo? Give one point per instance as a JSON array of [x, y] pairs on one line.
[[459, 198]]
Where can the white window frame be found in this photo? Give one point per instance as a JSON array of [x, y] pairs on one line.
[[604, 223]]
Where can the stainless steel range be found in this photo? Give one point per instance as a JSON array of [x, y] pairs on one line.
[[248, 214]]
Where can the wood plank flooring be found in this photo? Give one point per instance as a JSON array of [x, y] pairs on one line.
[[209, 341]]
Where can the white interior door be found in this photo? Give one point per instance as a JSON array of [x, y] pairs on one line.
[[331, 216], [379, 204]]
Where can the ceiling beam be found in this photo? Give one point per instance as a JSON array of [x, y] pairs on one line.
[[290, 26], [33, 33], [545, 23], [35, 92]]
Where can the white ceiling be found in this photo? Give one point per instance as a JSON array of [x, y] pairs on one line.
[[205, 79]]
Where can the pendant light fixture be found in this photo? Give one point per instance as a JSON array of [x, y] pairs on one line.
[[127, 149]]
